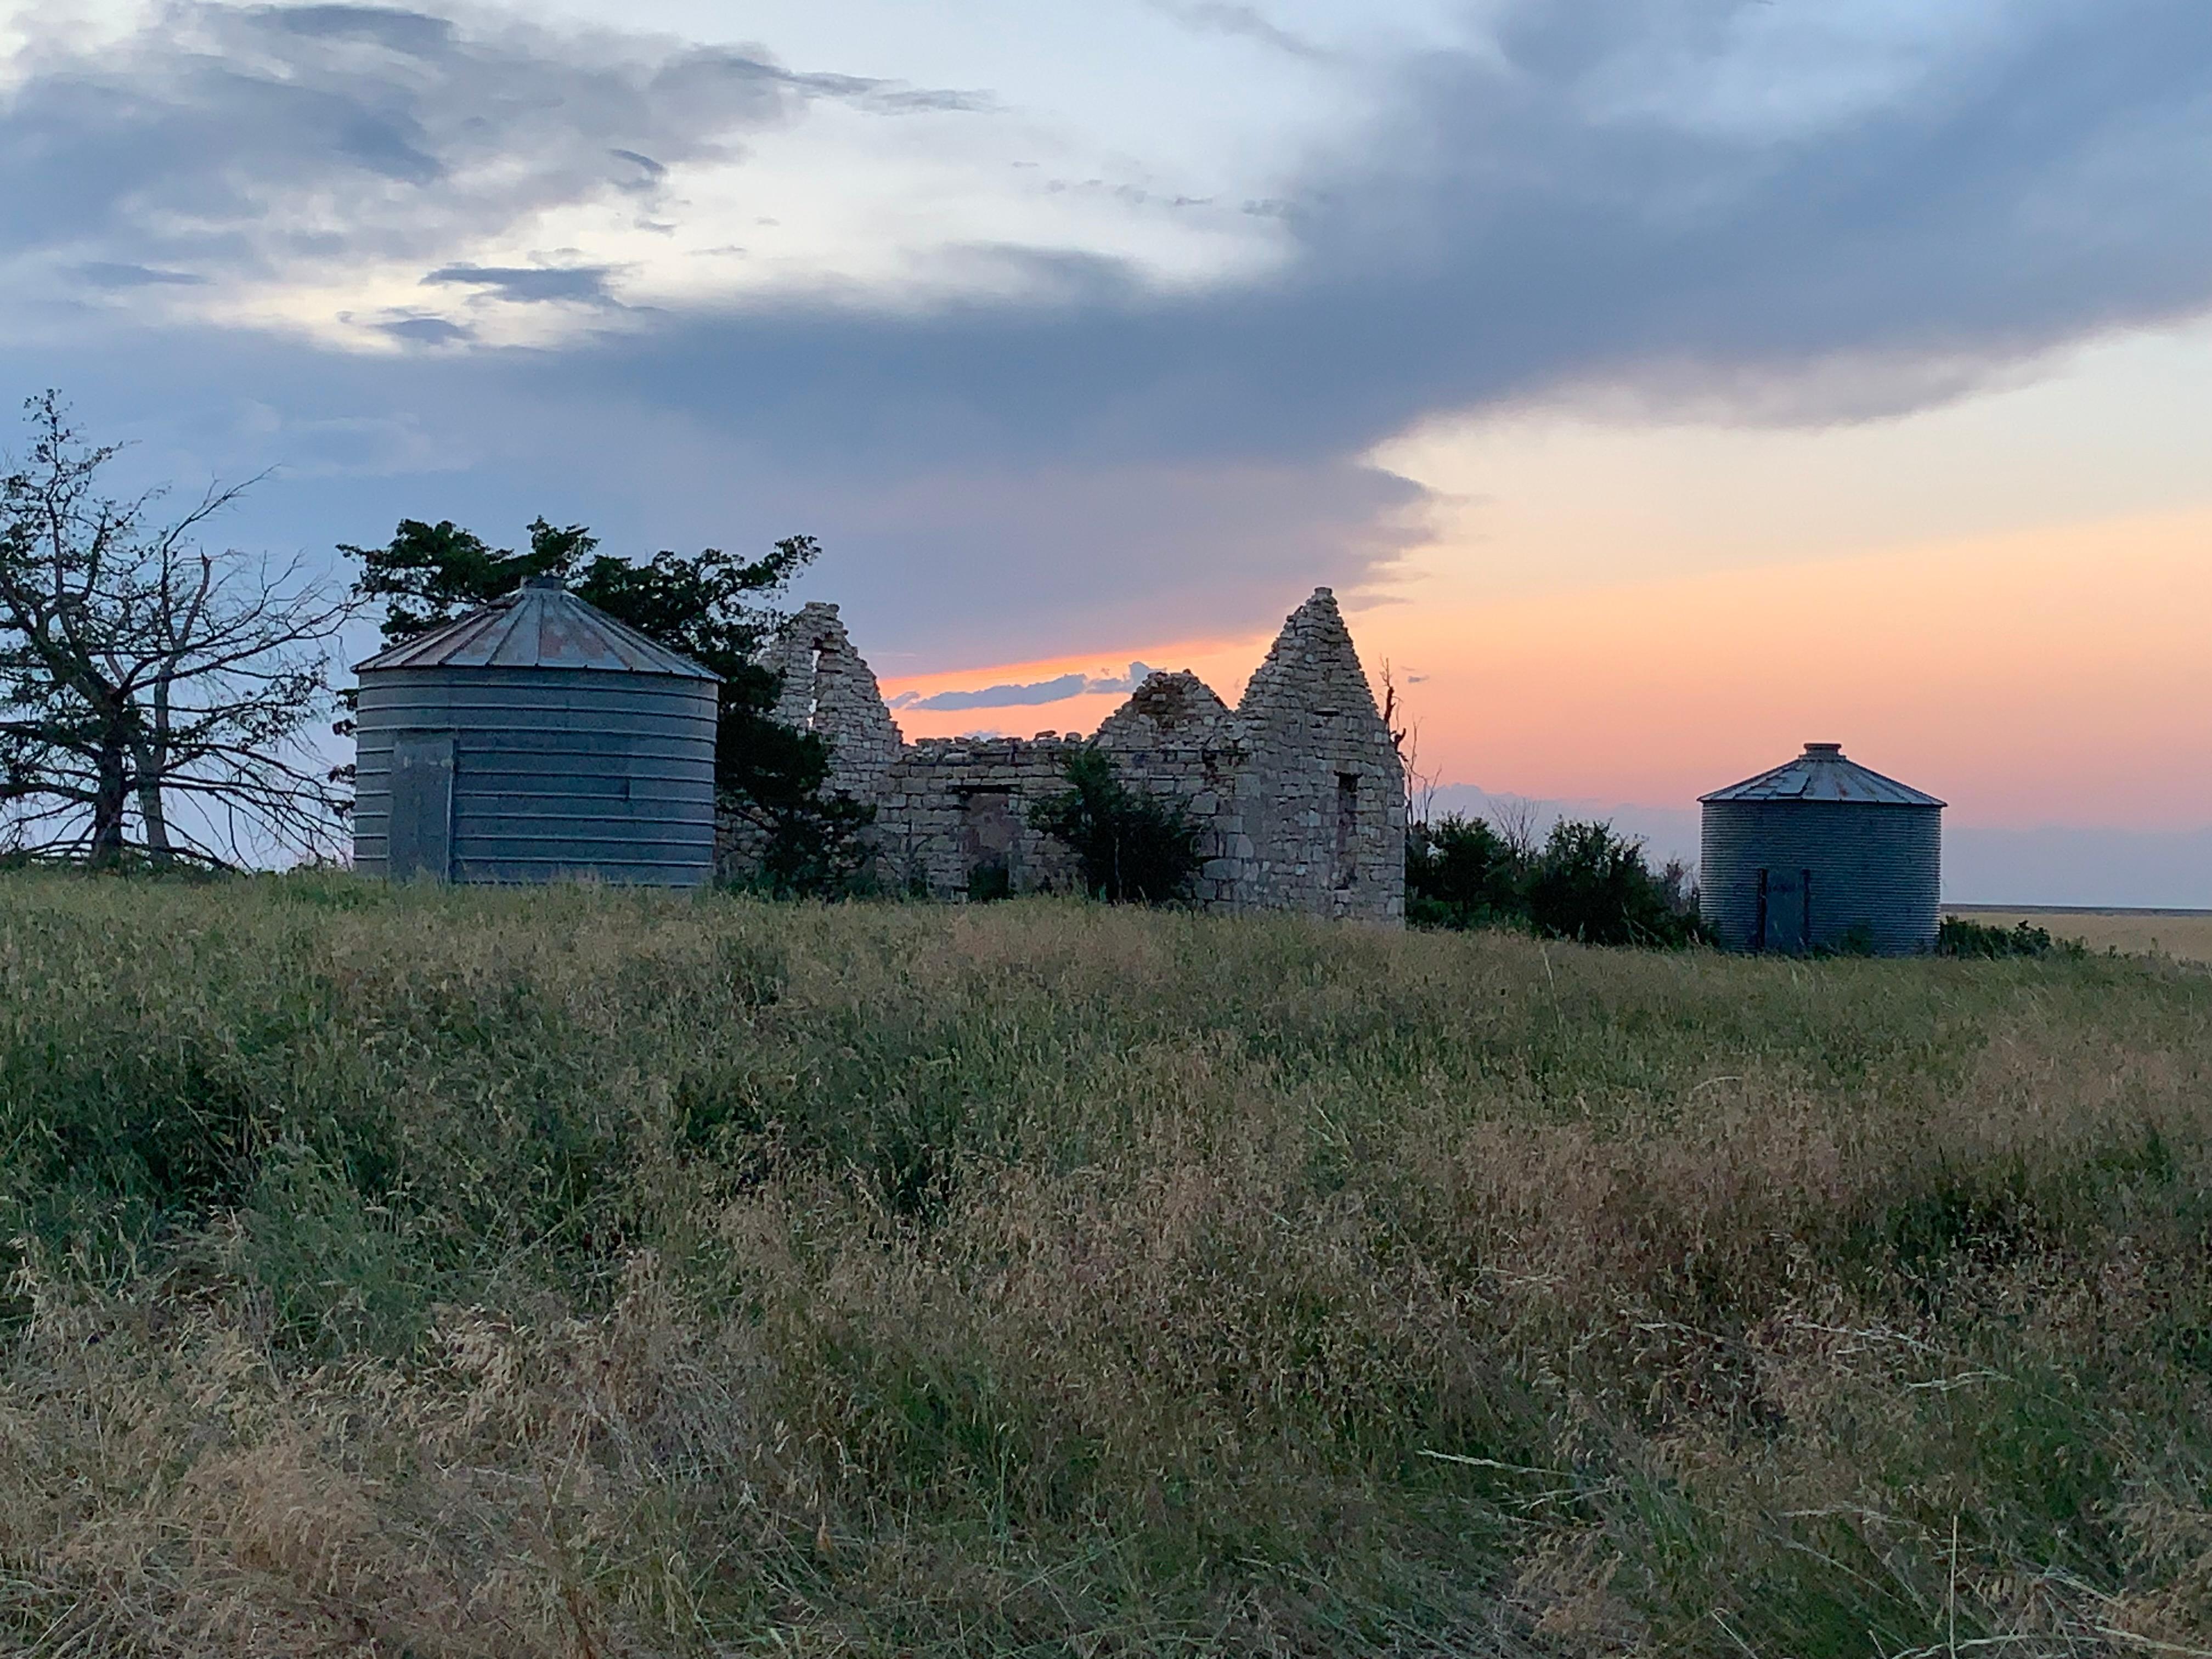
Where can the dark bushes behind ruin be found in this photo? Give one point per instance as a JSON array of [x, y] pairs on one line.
[[1583, 882]]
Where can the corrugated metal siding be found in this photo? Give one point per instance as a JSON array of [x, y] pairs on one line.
[[555, 773], [1875, 866]]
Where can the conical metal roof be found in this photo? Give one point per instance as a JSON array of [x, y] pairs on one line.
[[1822, 773], [540, 625]]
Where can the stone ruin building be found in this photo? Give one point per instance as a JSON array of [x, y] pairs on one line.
[[1298, 793]]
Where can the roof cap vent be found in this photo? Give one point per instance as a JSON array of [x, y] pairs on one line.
[[1823, 774], [546, 584]]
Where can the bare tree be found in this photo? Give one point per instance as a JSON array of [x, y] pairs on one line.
[[1420, 786], [1519, 823], [141, 675]]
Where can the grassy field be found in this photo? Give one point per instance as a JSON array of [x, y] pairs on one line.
[[2185, 937], [583, 1275]]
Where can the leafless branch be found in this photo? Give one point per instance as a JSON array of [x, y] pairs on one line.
[[137, 671]]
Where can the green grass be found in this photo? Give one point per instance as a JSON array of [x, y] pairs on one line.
[[583, 1272]]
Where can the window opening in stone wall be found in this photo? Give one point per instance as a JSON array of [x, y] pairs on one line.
[[814, 687], [1348, 820]]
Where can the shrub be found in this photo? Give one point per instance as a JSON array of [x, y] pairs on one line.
[[1591, 885], [1856, 940], [1585, 882], [1959, 936], [1460, 872], [812, 841], [990, 881], [1133, 846]]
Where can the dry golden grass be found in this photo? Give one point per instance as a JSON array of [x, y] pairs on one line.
[[2185, 939], [577, 1273]]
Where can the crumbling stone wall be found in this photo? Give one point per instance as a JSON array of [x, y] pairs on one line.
[[952, 820], [1298, 794], [1322, 790], [1176, 739], [826, 688]]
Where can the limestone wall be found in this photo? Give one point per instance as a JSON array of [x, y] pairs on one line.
[[1298, 794], [1322, 791], [1176, 739], [829, 690], [952, 817]]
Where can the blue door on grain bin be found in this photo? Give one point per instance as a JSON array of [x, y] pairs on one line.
[[422, 805], [1785, 911]]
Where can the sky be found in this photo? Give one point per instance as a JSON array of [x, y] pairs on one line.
[[1661, 384]]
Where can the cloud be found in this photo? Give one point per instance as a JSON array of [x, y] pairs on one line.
[[1539, 215], [277, 140], [1124, 682], [425, 331], [103, 273], [1058, 689], [1246, 22], [1742, 210], [650, 172], [892, 97], [532, 285]]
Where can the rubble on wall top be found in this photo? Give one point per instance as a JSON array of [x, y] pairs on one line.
[[1175, 707]]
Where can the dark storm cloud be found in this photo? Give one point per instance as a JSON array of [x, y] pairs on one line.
[[1578, 200], [260, 139], [1500, 235]]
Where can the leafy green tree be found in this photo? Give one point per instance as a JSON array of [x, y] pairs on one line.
[[1133, 846], [713, 606], [1592, 884], [1460, 872]]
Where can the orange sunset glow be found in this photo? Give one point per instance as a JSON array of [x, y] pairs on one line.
[[2006, 598], [2045, 676], [2039, 676]]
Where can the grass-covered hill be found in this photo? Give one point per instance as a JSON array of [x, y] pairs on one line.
[[577, 1273]]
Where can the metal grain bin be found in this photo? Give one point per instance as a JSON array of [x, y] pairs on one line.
[[536, 738], [1822, 852]]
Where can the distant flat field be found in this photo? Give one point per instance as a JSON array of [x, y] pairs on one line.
[[2186, 934]]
